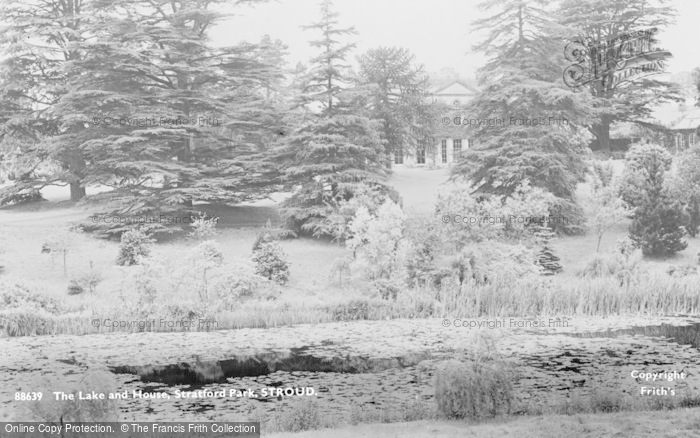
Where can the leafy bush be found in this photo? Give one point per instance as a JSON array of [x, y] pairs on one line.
[[625, 246], [18, 295], [26, 313], [685, 185], [623, 267], [203, 259], [425, 245], [376, 239], [86, 281], [203, 226], [476, 220], [484, 262], [320, 211], [473, 390], [303, 415], [385, 288], [602, 175], [271, 262], [239, 283], [135, 244], [682, 270], [74, 288]]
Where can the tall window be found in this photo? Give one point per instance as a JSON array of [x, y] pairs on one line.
[[470, 143], [679, 141], [692, 139], [444, 150], [420, 156], [398, 156], [456, 147]]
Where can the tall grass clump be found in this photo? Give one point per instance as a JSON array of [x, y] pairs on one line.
[[477, 389], [639, 293], [24, 312]]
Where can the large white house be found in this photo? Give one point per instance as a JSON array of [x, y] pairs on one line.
[[451, 139]]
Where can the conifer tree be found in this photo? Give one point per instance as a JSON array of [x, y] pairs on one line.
[[334, 150], [165, 118], [40, 39], [398, 94], [546, 258], [532, 120], [659, 222], [633, 99]]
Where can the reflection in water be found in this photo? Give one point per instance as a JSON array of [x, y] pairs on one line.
[[683, 335], [218, 371]]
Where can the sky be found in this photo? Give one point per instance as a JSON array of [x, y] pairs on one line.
[[438, 32]]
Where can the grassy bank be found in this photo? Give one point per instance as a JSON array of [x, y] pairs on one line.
[[25, 312], [667, 424]]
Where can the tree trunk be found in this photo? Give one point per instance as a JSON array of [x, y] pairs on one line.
[[602, 134], [77, 191]]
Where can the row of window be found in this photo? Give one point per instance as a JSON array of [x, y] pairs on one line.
[[682, 143], [420, 153]]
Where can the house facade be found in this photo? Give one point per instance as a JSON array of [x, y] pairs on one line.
[[685, 131], [451, 139]]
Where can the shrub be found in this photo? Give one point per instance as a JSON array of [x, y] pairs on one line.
[[425, 245], [340, 267], [18, 295], [493, 217], [322, 211], [645, 165], [145, 278], [239, 283], [658, 226], [74, 288], [134, 245], [603, 173], [85, 281], [473, 390], [623, 267], [376, 239], [625, 246], [682, 270], [685, 184], [385, 288], [271, 262], [566, 217], [203, 226], [204, 258], [481, 388], [26, 313], [302, 415], [485, 262]]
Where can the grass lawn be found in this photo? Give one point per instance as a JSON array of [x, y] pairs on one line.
[[658, 424], [25, 228]]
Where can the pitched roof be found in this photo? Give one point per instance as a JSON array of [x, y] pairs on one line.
[[689, 120], [469, 88]]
